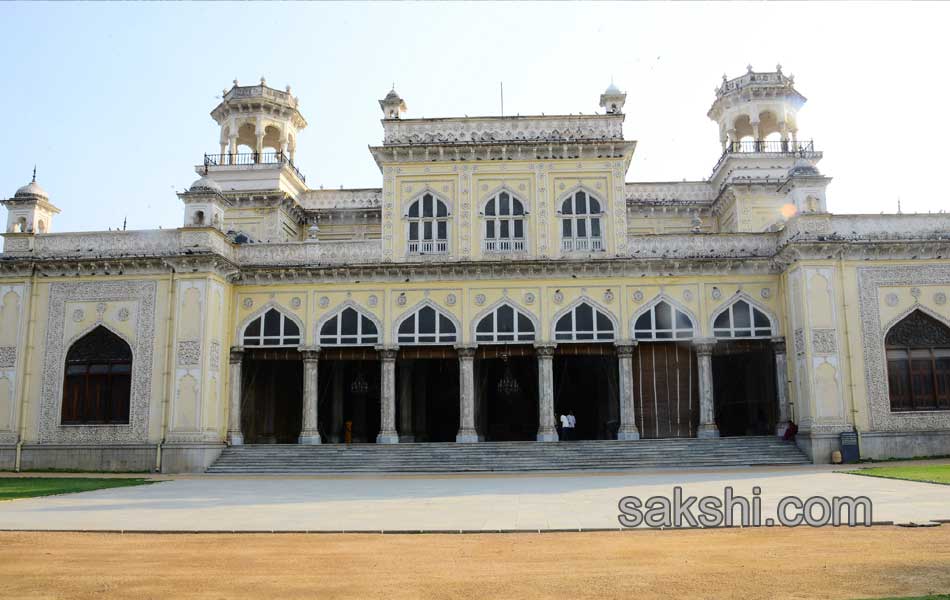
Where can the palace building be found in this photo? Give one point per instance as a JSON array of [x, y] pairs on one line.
[[503, 273]]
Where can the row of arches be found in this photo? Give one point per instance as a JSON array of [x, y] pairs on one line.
[[504, 228], [583, 321]]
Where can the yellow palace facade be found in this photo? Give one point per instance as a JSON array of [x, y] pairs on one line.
[[505, 273]]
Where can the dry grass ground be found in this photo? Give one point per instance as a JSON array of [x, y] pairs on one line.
[[752, 563]]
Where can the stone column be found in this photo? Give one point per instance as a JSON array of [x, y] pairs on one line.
[[781, 383], [387, 401], [232, 148], [405, 402], [467, 433], [628, 423], [235, 437], [707, 409], [309, 430], [337, 427], [546, 429]]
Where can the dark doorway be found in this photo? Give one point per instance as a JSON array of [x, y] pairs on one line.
[[432, 388], [348, 396], [665, 390], [506, 389], [272, 398], [744, 384], [585, 382]]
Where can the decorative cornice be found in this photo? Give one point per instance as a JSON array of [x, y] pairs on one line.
[[467, 130]]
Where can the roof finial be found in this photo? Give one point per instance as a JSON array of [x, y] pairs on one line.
[[34, 173]]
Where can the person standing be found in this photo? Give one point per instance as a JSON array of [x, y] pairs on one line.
[[572, 423], [565, 427]]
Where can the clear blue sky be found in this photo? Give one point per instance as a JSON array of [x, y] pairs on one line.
[[111, 101]]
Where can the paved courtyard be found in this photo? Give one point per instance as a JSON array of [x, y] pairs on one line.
[[448, 503]]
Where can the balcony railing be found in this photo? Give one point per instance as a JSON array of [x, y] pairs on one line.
[[252, 158], [501, 246], [771, 146], [582, 244], [428, 246]]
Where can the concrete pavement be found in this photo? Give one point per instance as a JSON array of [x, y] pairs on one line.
[[450, 503]]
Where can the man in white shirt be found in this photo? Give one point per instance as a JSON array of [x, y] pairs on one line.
[[571, 423], [565, 427]]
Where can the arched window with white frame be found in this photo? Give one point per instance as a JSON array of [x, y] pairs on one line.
[[584, 323], [426, 326], [505, 324], [742, 320], [349, 328], [428, 219], [663, 321], [581, 230], [273, 328], [504, 224]]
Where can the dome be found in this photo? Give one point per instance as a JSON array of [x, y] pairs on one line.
[[392, 95], [205, 185], [33, 190], [612, 89], [803, 167]]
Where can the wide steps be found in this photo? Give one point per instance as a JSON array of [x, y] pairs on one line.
[[507, 456]]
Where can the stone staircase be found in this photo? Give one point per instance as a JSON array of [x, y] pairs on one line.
[[508, 456]]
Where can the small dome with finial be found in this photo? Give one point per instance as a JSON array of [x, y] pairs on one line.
[[803, 167], [612, 89], [32, 190], [205, 185]]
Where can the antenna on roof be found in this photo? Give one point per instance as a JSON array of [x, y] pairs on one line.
[[125, 220], [502, 86], [899, 206]]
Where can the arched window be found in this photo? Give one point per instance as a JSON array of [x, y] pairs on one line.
[[349, 328], [272, 328], [580, 223], [918, 363], [426, 326], [504, 224], [742, 320], [663, 322], [98, 380], [505, 324], [428, 226], [584, 323]]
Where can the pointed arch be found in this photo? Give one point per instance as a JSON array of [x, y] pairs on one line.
[[917, 347], [283, 330], [743, 317], [582, 215], [674, 322], [907, 312], [349, 324], [426, 323], [584, 320], [504, 218], [427, 217], [97, 378], [519, 326]]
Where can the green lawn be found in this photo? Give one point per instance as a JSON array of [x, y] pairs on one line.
[[937, 597], [926, 473], [29, 487]]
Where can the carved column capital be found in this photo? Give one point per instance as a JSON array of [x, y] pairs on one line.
[[310, 353], [704, 346], [387, 353], [625, 348], [466, 351], [778, 344], [237, 355], [545, 350]]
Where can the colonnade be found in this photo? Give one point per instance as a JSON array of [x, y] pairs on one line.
[[547, 431]]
